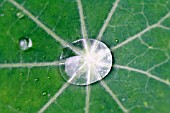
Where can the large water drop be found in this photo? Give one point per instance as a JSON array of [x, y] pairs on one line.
[[89, 67]]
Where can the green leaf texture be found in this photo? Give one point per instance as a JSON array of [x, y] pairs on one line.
[[136, 31]]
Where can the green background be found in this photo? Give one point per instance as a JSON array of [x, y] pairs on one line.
[[28, 89]]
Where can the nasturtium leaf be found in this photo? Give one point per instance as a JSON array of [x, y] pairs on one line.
[[137, 32]]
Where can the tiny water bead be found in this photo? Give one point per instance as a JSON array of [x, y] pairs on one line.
[[44, 57], [117, 40], [36, 79], [87, 68], [20, 15], [44, 93], [48, 77], [25, 43], [123, 99]]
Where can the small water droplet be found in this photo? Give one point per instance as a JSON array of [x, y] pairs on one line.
[[48, 77], [25, 43], [36, 79], [44, 57], [126, 85], [44, 93], [123, 99], [134, 62], [117, 40], [20, 15], [30, 100]]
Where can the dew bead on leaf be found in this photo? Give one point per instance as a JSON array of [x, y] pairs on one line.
[[137, 33], [44, 57], [20, 15], [25, 43], [90, 67], [36, 79], [117, 40], [123, 99], [48, 77], [44, 93]]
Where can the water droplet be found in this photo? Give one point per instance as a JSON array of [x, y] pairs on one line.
[[48, 77], [36, 79], [44, 93], [25, 43], [123, 99], [44, 57], [20, 15], [90, 67], [126, 85], [117, 40]]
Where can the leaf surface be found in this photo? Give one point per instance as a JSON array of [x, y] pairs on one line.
[[137, 33]]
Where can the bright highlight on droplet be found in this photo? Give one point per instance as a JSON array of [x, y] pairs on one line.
[[20, 15], [89, 67], [25, 43]]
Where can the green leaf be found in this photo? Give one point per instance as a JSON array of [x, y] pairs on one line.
[[136, 31]]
